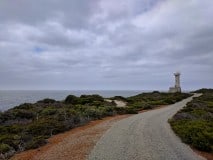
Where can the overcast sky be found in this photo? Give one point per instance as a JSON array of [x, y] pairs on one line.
[[105, 44]]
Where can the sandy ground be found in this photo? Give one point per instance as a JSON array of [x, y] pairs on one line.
[[120, 103], [75, 144], [117, 102]]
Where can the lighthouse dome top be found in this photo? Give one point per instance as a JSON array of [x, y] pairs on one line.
[[177, 73]]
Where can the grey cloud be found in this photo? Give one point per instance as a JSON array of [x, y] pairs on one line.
[[105, 44], [73, 13]]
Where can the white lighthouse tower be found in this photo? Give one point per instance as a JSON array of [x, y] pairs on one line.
[[177, 87]]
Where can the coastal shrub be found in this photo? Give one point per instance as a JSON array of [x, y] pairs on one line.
[[3, 130], [199, 112], [157, 102], [141, 105], [4, 148], [71, 99], [1, 115], [120, 110], [5, 137], [168, 101], [204, 90], [186, 109], [92, 100], [93, 113], [126, 110], [183, 116], [210, 104], [148, 106], [108, 110], [47, 101], [96, 103], [42, 127], [49, 111], [10, 139], [13, 129], [23, 113], [80, 108], [156, 98], [130, 110], [108, 103], [8, 115], [198, 133], [26, 106], [94, 97], [78, 119], [36, 142], [194, 123], [138, 105]]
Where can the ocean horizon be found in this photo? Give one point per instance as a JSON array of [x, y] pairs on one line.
[[12, 98]]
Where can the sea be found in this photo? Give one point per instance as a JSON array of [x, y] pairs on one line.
[[12, 98]]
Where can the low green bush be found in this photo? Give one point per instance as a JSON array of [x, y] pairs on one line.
[[120, 98], [204, 90], [198, 133], [42, 127], [130, 110], [155, 99], [126, 110], [107, 110], [36, 142], [148, 106], [138, 105], [22, 113], [168, 101], [25, 106], [194, 123], [92, 98], [47, 101], [93, 113], [49, 111], [71, 99], [4, 148]]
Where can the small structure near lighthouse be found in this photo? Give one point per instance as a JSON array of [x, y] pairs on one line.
[[177, 87]]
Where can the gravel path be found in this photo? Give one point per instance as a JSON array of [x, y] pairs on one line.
[[146, 136]]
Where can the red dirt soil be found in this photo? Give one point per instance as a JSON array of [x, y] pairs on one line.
[[74, 144], [208, 156]]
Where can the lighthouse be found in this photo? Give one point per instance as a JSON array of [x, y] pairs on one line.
[[177, 87]]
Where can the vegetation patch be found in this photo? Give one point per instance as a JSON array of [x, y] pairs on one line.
[[194, 123], [28, 126], [154, 99]]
